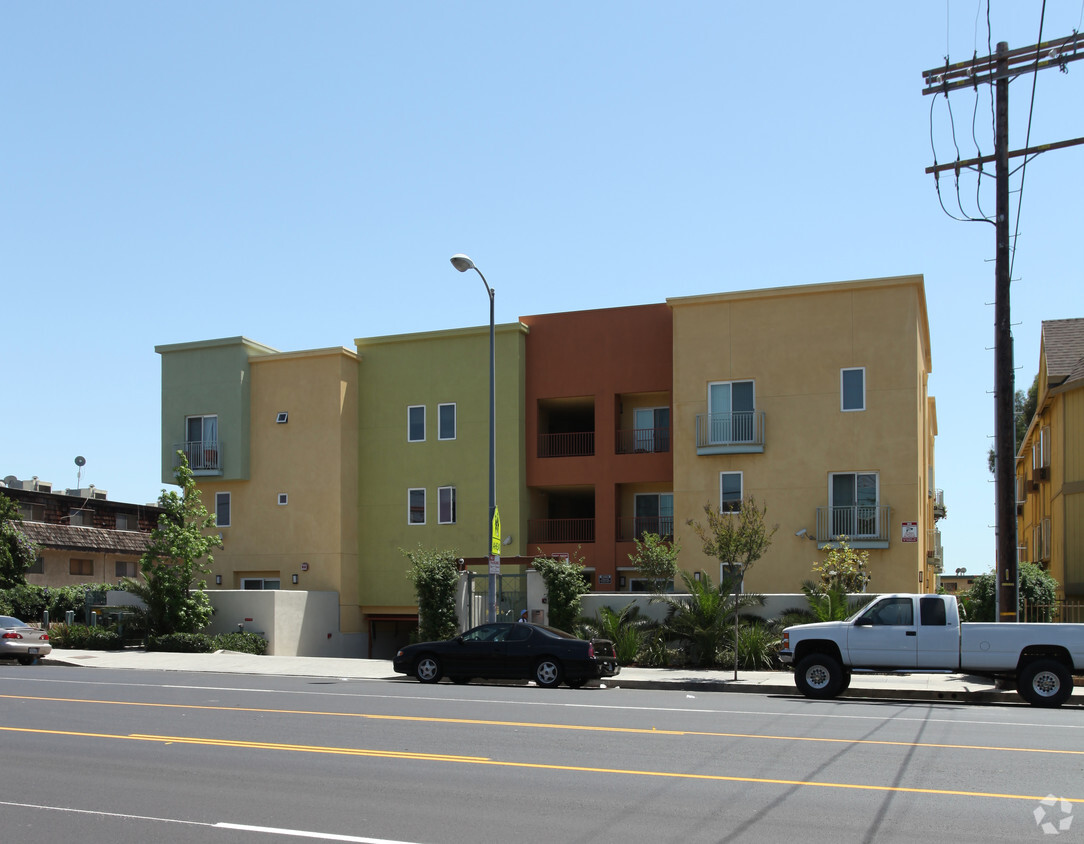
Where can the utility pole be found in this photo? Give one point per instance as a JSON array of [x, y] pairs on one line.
[[999, 70]]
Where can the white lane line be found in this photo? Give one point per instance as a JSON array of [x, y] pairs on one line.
[[599, 706], [295, 833]]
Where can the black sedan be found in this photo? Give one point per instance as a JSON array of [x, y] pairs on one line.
[[520, 651]]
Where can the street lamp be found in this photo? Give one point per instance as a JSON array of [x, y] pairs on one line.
[[463, 263]]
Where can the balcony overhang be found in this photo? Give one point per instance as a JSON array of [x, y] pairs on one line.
[[731, 448]]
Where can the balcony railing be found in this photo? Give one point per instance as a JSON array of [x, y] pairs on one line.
[[203, 455], [730, 433], [934, 552], [643, 441], [858, 522], [577, 444], [542, 531], [939, 504], [634, 527]]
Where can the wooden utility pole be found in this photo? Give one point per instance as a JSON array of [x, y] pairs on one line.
[[999, 70]]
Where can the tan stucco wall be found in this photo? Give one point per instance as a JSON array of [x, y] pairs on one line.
[[294, 623], [793, 343]]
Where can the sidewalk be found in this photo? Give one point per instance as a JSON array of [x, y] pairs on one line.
[[931, 687]]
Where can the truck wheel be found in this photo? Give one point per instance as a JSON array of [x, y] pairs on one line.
[[846, 684], [1044, 682], [819, 676]]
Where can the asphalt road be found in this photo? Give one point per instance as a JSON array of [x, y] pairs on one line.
[[138, 756]]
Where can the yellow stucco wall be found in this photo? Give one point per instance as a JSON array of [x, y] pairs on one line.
[[793, 342]]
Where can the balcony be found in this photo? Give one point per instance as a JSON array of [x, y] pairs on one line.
[[204, 456], [934, 552], [575, 444], [630, 528], [864, 525], [939, 504], [556, 531], [643, 441], [739, 432], [1021, 494]]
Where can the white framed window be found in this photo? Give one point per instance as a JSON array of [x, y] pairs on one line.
[[731, 412], [446, 505], [853, 499], [730, 492], [654, 514], [222, 509], [416, 423], [852, 389], [446, 421], [416, 506], [283, 417], [260, 582], [201, 442], [284, 499]]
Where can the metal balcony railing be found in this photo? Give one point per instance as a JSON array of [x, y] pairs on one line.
[[577, 444], [203, 455], [745, 427], [634, 527], [868, 523], [643, 441], [543, 531]]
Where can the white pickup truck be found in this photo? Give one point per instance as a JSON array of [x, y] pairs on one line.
[[923, 633]]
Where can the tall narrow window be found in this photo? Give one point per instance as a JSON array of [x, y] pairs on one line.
[[446, 505], [446, 421], [730, 492], [731, 411], [852, 387], [416, 423], [222, 509], [416, 506]]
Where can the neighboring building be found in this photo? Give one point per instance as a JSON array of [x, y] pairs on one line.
[[81, 538], [325, 466], [1050, 462]]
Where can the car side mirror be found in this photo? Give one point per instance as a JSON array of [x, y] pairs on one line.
[[459, 639], [864, 621]]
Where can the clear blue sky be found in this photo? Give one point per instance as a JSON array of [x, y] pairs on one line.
[[299, 173]]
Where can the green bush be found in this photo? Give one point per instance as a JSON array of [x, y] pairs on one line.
[[83, 637], [435, 575], [246, 643], [189, 643], [758, 647], [28, 602]]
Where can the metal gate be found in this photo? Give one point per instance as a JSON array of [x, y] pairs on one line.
[[511, 597]]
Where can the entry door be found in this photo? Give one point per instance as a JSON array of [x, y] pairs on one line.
[[854, 504], [730, 411], [889, 639]]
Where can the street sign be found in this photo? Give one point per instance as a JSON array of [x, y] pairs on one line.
[[495, 564], [495, 539], [910, 532]]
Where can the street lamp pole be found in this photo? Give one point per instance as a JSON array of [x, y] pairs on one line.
[[463, 263]]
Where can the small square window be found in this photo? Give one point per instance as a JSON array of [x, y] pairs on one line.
[[416, 423], [127, 521], [852, 385], [37, 567], [284, 498], [416, 506], [446, 505], [446, 421], [283, 417]]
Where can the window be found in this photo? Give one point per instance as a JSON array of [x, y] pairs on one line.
[[37, 567], [652, 429], [260, 583], [853, 504], [125, 569], [932, 611], [446, 421], [730, 492], [416, 506], [284, 499], [32, 512], [445, 505], [81, 568], [655, 514], [201, 442], [416, 423], [892, 612], [81, 517], [222, 509], [127, 521], [852, 388], [283, 417], [731, 409]]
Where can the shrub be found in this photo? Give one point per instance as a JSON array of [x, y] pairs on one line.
[[565, 587], [197, 643], [84, 637], [435, 575], [246, 643], [627, 629], [758, 647]]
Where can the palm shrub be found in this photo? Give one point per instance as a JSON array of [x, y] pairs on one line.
[[626, 628], [758, 646], [703, 618]]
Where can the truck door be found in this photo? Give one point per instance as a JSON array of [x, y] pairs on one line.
[[884, 636], [938, 634]]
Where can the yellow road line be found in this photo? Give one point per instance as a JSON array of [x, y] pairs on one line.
[[479, 760], [540, 726]]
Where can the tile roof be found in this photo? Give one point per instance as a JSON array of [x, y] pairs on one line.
[[1063, 345], [75, 538]]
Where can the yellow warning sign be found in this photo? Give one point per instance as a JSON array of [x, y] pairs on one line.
[[495, 543]]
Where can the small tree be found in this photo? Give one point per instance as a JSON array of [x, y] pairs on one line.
[[844, 566], [737, 540], [435, 575], [565, 586], [17, 552], [174, 563], [1038, 589], [656, 560]]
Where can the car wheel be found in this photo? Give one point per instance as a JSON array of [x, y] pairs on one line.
[[548, 673], [27, 660], [1044, 682], [819, 676], [428, 669]]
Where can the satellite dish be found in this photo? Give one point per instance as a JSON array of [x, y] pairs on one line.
[[80, 461]]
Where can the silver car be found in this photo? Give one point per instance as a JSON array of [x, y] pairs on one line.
[[21, 642]]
